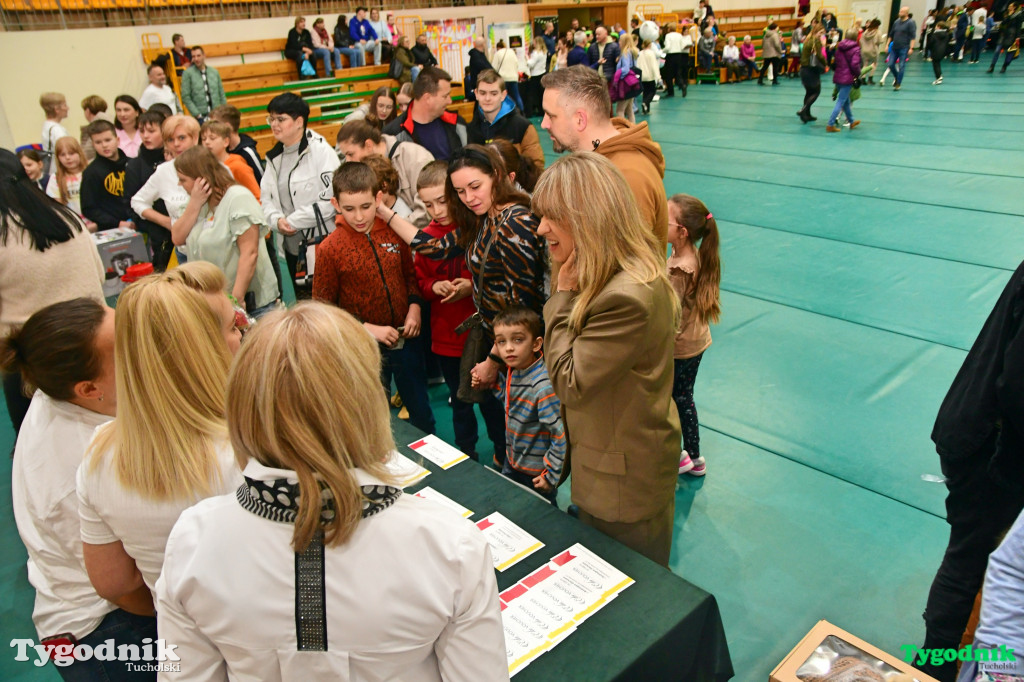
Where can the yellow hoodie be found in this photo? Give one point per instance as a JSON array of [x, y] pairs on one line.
[[639, 158]]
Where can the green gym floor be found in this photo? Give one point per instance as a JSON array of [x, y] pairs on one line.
[[857, 270]]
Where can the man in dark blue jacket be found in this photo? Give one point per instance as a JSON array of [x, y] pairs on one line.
[[578, 54], [603, 53]]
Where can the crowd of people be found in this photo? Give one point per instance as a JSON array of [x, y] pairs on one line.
[[209, 467]]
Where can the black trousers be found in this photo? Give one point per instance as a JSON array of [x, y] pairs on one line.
[[302, 293], [674, 74], [774, 63], [937, 67], [811, 80], [650, 87], [979, 510]]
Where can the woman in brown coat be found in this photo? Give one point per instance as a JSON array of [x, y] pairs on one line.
[[611, 326]]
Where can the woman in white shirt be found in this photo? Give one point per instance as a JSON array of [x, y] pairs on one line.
[[179, 133], [318, 567], [506, 62], [536, 66], [167, 449], [67, 351]]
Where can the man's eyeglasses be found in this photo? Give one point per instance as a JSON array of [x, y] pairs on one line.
[[271, 120]]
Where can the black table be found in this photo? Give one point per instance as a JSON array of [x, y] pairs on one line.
[[659, 628]]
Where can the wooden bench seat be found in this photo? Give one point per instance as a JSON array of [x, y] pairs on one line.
[[755, 12]]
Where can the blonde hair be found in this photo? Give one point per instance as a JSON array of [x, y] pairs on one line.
[[586, 194], [305, 395], [171, 369], [172, 123], [62, 145], [49, 101], [628, 44]]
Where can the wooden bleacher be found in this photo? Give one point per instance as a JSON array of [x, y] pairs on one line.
[[250, 86]]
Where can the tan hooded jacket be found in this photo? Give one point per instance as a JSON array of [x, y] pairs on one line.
[[639, 158]]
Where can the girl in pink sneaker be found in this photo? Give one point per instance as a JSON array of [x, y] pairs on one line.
[[694, 271]]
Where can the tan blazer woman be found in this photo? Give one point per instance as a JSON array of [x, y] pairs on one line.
[[615, 382]]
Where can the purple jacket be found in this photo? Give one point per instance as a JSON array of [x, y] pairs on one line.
[[847, 62]]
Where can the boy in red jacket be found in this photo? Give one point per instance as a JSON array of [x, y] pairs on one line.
[[365, 269], [447, 285]]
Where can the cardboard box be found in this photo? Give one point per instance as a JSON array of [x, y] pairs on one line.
[[119, 248], [786, 670]]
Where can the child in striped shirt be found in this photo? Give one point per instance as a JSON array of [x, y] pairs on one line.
[[534, 436]]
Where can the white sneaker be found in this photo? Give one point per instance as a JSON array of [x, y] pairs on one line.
[[656, 98], [685, 463], [699, 467], [937, 81]]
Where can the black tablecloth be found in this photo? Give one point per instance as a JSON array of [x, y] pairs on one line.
[[659, 628]]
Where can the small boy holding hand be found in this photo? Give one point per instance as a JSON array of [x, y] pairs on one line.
[[534, 436], [365, 269]]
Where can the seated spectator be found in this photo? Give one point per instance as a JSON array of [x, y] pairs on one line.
[[379, 111], [181, 54], [299, 48], [44, 260], [224, 557], [65, 184], [34, 165], [721, 40], [427, 121], [748, 56], [323, 47], [382, 51], [126, 120], [55, 107], [496, 116], [731, 60], [137, 174], [363, 249], [578, 54], [297, 181], [67, 351], [158, 91], [363, 36], [166, 449], [216, 137], [403, 98], [343, 43], [706, 50], [403, 55], [162, 200], [201, 88], [103, 199], [357, 140], [241, 144], [223, 224], [421, 53], [387, 176]]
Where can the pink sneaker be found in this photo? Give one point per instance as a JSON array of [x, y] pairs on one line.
[[699, 468], [685, 463]]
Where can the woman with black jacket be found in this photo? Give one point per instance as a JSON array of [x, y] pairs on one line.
[[299, 47], [343, 42]]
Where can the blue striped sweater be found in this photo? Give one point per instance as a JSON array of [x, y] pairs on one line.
[[534, 435]]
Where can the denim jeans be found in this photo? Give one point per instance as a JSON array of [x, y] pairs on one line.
[[898, 63], [463, 418], [356, 57], [123, 628], [998, 50], [324, 55], [513, 93], [406, 366], [843, 103], [976, 47]]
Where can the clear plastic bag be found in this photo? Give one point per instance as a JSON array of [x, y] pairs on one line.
[[836, 660]]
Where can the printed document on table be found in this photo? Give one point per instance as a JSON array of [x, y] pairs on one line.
[[405, 470], [438, 452], [429, 493], [510, 544]]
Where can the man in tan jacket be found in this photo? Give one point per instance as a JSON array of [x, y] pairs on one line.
[[771, 54], [577, 115], [358, 139]]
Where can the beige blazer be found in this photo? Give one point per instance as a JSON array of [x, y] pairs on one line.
[[614, 380]]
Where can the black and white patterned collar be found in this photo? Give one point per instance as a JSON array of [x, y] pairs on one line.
[[274, 494]]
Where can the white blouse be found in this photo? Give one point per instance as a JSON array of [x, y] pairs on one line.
[[410, 596], [50, 447], [110, 513]]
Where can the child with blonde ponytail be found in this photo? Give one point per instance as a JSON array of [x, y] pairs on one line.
[[695, 272]]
